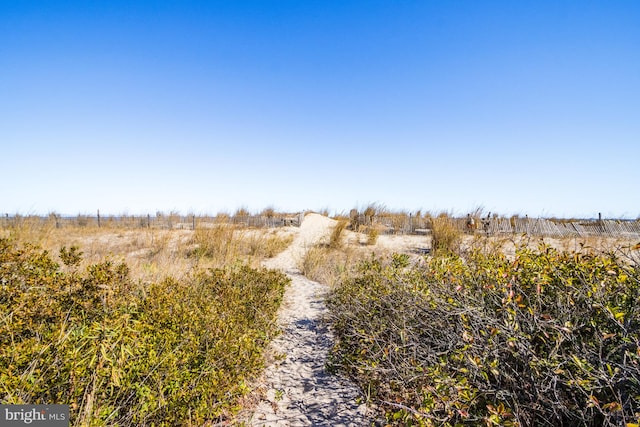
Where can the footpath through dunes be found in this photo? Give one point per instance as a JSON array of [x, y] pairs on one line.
[[297, 390]]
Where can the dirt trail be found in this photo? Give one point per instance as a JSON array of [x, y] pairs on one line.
[[298, 391]]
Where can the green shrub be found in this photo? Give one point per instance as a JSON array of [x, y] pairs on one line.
[[170, 353], [548, 339]]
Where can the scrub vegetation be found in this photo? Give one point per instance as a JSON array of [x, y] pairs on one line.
[[544, 338], [122, 341], [140, 326]]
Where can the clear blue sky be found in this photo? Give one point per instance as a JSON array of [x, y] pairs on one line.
[[529, 107]]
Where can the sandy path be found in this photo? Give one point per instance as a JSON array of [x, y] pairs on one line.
[[298, 391]]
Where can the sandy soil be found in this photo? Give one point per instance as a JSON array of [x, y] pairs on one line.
[[297, 390]]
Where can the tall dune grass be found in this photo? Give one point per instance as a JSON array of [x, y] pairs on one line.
[[154, 253], [446, 235]]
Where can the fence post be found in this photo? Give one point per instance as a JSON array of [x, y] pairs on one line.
[[193, 225], [148, 221], [98, 218], [600, 222]]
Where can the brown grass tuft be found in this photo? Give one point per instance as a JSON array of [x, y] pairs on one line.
[[446, 235], [335, 240]]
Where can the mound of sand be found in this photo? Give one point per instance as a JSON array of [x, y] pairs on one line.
[[314, 229]]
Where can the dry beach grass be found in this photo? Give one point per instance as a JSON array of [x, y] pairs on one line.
[[153, 254]]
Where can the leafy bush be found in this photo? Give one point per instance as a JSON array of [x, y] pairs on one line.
[[171, 353], [547, 339]]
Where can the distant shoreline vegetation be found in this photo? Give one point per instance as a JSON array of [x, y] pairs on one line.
[[384, 220], [271, 212]]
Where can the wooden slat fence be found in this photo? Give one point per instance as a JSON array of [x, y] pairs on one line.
[[166, 222], [516, 225], [549, 228], [392, 224]]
